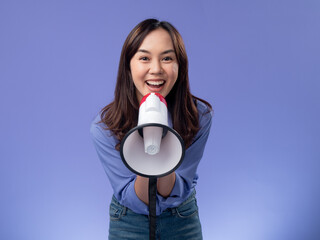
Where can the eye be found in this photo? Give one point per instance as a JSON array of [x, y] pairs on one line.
[[166, 59], [144, 58]]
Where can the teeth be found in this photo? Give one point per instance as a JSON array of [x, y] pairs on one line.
[[155, 83]]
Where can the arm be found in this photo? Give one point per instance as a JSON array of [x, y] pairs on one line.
[[164, 186], [120, 177], [186, 175]]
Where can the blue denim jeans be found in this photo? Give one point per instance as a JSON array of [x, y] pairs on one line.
[[177, 223]]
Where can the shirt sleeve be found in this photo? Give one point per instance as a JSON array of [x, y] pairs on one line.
[[121, 178], [186, 174]]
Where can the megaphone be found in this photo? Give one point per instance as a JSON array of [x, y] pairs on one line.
[[152, 148]]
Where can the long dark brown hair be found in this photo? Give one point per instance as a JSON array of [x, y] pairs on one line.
[[121, 115]]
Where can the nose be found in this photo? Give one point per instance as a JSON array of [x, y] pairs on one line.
[[155, 67]]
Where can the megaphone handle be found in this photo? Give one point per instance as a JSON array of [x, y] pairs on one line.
[[152, 207]]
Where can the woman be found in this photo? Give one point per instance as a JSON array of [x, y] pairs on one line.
[[153, 59]]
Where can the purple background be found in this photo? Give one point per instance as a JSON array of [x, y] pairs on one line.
[[256, 61]]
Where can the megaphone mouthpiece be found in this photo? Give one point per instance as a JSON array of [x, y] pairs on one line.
[[153, 109]]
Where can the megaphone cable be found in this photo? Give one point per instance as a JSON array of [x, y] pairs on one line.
[[152, 207]]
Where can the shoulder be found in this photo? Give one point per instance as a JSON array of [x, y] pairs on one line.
[[100, 133], [96, 125], [204, 113]]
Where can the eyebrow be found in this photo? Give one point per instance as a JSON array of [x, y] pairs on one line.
[[164, 52]]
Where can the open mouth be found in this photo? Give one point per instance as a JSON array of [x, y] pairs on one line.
[[155, 84]]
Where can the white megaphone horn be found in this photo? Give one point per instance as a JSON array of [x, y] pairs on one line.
[[152, 149]]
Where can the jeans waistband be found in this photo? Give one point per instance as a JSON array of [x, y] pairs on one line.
[[173, 209], [189, 199]]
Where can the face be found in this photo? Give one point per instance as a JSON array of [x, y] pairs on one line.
[[154, 67]]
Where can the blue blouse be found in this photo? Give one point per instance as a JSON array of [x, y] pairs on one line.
[[122, 179]]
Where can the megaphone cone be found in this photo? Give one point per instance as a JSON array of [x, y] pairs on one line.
[[152, 149]]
